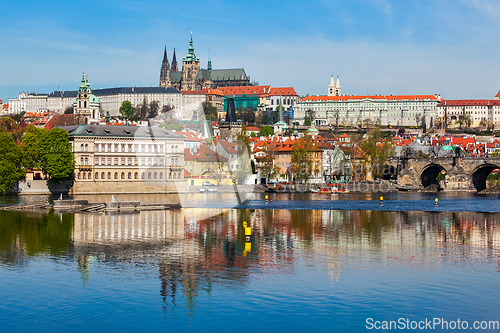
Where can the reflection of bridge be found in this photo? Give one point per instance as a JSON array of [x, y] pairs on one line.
[[450, 173]]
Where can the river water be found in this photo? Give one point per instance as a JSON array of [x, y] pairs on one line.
[[314, 263]]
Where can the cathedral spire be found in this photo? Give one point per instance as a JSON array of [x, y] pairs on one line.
[[165, 71], [209, 66], [191, 56], [174, 63]]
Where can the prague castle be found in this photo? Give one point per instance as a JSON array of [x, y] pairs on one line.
[[192, 77]]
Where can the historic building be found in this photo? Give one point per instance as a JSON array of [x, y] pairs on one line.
[[334, 88], [126, 159], [482, 112], [86, 105], [388, 110], [192, 77]]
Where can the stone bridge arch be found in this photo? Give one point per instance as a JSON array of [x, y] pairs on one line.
[[481, 173], [390, 172], [430, 173]]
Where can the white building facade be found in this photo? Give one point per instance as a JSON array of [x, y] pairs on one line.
[[402, 110]]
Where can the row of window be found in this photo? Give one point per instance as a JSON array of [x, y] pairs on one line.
[[149, 175], [128, 148]]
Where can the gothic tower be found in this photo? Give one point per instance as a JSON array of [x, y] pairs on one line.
[[190, 68], [174, 63], [209, 65], [165, 71], [334, 88]]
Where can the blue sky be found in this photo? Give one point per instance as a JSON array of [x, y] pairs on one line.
[[448, 47]]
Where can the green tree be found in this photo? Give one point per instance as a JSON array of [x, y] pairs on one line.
[[56, 155], [302, 165], [267, 168], [307, 122], [154, 106], [243, 164], [10, 162], [209, 110], [266, 131], [69, 110], [375, 151], [31, 147], [127, 111]]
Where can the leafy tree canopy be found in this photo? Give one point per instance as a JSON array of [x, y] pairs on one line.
[[266, 131], [56, 155], [127, 111], [10, 162]]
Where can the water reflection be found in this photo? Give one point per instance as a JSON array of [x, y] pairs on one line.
[[191, 251]]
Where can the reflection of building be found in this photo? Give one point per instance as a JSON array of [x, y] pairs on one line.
[[126, 159], [148, 226]]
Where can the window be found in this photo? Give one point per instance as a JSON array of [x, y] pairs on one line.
[[89, 176], [102, 175], [96, 161], [123, 161], [79, 175], [123, 148], [175, 175], [129, 161], [136, 175], [142, 175], [149, 175], [175, 161], [86, 147], [136, 160], [86, 161], [149, 161], [179, 175], [116, 161], [116, 148], [109, 148], [82, 147], [81, 160], [155, 161], [161, 175], [143, 161], [96, 175], [130, 175], [155, 176], [123, 175], [116, 175]]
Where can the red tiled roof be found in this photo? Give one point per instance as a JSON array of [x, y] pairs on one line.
[[498, 94], [59, 120], [245, 90], [467, 102], [253, 129], [287, 91], [187, 174]]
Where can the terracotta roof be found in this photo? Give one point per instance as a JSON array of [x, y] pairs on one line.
[[287, 91], [204, 154], [59, 120], [498, 94], [215, 92], [253, 129], [467, 102], [245, 90], [187, 174], [344, 135], [230, 147]]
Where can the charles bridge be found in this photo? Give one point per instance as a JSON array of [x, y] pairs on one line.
[[445, 173]]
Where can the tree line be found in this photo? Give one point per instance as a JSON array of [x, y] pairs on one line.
[[33, 149]]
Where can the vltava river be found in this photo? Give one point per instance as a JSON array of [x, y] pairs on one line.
[[304, 270]]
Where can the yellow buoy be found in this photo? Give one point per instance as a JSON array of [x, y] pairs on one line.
[[436, 201]]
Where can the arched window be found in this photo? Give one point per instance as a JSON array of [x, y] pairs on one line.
[[149, 175], [123, 175], [109, 175], [175, 175], [84, 175], [79, 175], [172, 149], [116, 175], [81, 147], [172, 161], [136, 175], [179, 176], [81, 160], [130, 175], [155, 176], [161, 175], [272, 101], [79, 104], [85, 104], [142, 175], [175, 161], [102, 175], [86, 161], [86, 147], [90, 175]]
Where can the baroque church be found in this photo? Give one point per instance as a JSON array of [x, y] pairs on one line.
[[192, 77]]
